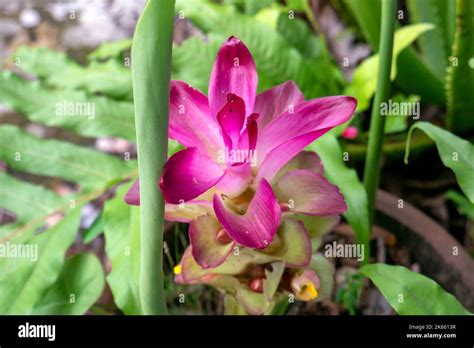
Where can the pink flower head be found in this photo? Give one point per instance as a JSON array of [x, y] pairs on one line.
[[243, 169]]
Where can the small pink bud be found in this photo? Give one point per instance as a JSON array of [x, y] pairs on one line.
[[257, 285], [350, 133]]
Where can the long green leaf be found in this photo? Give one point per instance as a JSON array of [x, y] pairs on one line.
[[122, 245], [413, 76], [67, 109], [455, 153], [88, 168], [435, 45], [352, 189], [151, 72], [365, 76], [460, 78], [77, 288], [23, 281], [411, 293]]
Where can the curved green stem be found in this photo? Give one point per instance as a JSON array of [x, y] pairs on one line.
[[377, 121], [151, 72]]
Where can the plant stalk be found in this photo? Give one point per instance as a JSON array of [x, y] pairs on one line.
[[377, 121], [151, 72]]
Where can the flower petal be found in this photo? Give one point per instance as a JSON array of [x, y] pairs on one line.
[[316, 116], [133, 195], [325, 271], [191, 122], [305, 285], [318, 226], [191, 272], [233, 72], [293, 245], [187, 174], [210, 246], [272, 279], [275, 101], [235, 180], [309, 193], [257, 227], [231, 119], [183, 212], [187, 211], [283, 153], [304, 160], [254, 303]]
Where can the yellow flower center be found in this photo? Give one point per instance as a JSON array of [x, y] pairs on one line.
[[308, 292]]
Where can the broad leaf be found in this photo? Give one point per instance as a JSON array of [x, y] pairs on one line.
[[122, 245], [23, 281], [88, 168], [110, 78], [455, 153], [76, 111], [110, 49], [26, 200], [77, 288], [365, 76], [414, 76], [463, 205], [346, 179], [411, 293]]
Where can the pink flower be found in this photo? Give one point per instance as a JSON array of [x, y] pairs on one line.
[[243, 168]]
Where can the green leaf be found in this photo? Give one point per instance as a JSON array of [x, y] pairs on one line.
[[193, 59], [420, 295], [95, 230], [414, 77], [122, 246], [110, 78], [23, 281], [110, 49], [26, 200], [455, 153], [277, 61], [67, 109], [463, 205], [460, 78], [399, 123], [365, 76], [77, 288], [348, 182], [435, 45], [88, 168], [297, 32], [151, 72]]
